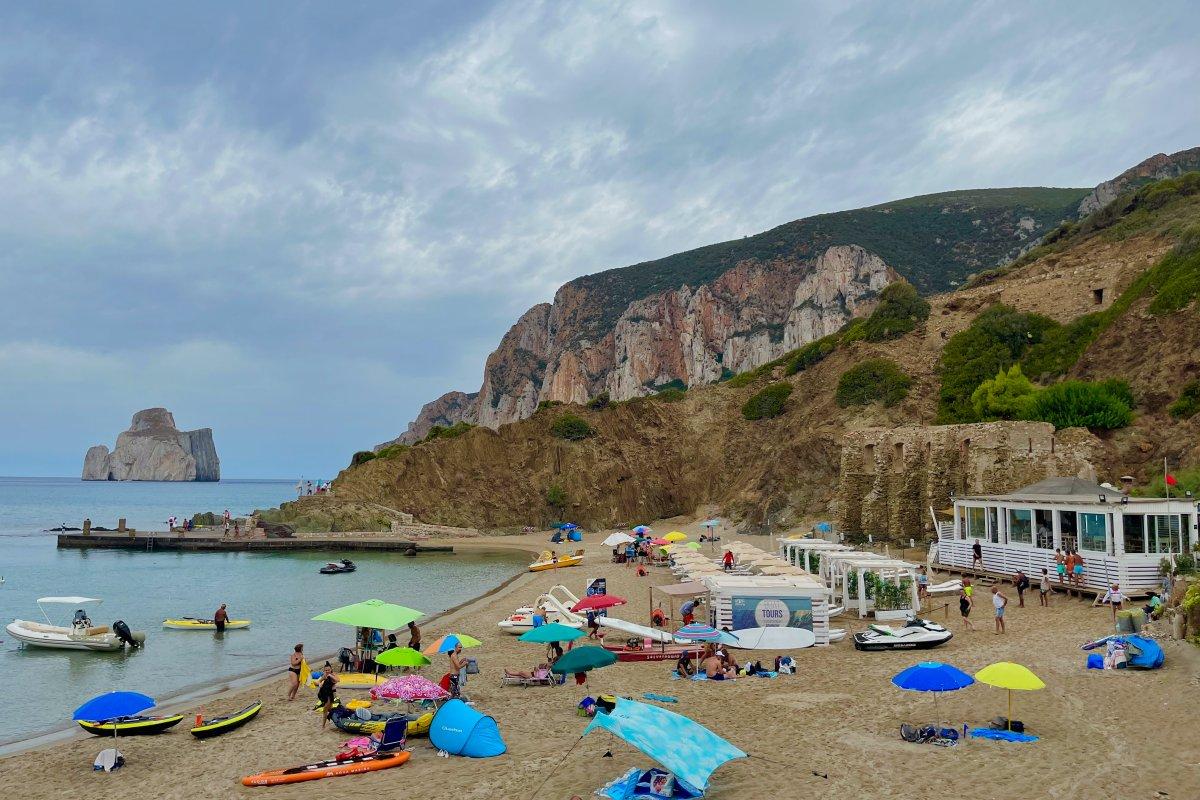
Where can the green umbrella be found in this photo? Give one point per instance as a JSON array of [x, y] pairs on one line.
[[583, 659], [692, 545], [401, 657], [551, 632], [372, 614]]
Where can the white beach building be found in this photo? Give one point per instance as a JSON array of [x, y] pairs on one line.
[[1120, 538], [752, 601]]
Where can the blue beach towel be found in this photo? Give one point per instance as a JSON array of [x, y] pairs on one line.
[[662, 698], [1005, 736]]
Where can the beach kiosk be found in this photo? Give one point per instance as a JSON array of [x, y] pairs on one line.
[[763, 601], [806, 553], [857, 576], [1120, 538]]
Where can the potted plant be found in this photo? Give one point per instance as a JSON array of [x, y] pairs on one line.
[[893, 601]]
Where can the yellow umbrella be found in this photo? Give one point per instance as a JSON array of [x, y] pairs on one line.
[[1010, 676], [676, 536]]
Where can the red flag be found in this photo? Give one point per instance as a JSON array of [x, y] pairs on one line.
[[1171, 480]]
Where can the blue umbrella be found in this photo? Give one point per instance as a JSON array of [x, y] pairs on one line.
[[933, 676], [568, 526], [113, 705], [699, 632]]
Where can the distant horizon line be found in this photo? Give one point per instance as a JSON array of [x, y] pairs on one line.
[[81, 480]]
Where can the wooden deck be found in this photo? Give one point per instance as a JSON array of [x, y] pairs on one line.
[[151, 541]]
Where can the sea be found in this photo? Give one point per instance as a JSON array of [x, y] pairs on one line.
[[279, 593]]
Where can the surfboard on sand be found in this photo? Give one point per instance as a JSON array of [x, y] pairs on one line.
[[777, 638]]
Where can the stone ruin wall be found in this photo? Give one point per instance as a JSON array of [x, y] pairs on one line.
[[890, 477]]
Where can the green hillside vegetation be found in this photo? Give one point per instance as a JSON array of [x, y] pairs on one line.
[[933, 241], [874, 380], [1188, 404], [768, 403], [571, 427]]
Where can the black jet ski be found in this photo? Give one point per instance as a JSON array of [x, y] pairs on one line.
[[338, 567], [916, 634]]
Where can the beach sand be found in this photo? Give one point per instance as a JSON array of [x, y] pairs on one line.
[[830, 731]]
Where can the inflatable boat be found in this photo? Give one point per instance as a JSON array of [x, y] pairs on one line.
[[218, 725], [80, 634], [362, 722], [338, 567], [329, 769], [917, 634], [196, 624], [130, 726], [547, 561]]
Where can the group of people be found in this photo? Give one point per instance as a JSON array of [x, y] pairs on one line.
[[715, 662], [966, 603], [1070, 568], [304, 488]]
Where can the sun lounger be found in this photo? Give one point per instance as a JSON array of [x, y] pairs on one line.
[[541, 677]]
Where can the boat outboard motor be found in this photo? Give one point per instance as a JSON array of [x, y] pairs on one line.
[[123, 633]]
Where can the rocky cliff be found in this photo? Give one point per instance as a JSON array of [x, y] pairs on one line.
[[450, 408], [153, 449], [1154, 168]]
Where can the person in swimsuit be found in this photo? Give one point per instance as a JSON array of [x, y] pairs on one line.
[[684, 665], [327, 693], [297, 658], [458, 664], [1060, 565], [220, 617], [1077, 570], [414, 636], [965, 602]]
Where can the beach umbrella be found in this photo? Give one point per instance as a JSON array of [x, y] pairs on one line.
[[699, 632], [372, 614], [596, 602], [568, 526], [401, 657], [1010, 676], [583, 659], [409, 688], [676, 536], [113, 705], [551, 632], [447, 643], [693, 546], [932, 676], [616, 539], [688, 750], [642, 529], [659, 542]]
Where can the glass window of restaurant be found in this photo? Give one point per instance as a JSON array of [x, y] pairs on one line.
[[1092, 534], [975, 523], [993, 525], [1043, 526], [1133, 527], [1020, 526], [1068, 528], [1165, 532], [962, 522]]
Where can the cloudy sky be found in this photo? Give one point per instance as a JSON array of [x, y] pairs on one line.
[[296, 222]]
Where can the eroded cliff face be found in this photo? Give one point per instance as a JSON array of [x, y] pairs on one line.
[[1154, 168], [153, 449], [447, 410], [748, 316]]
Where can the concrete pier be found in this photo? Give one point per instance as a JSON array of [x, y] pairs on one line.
[[204, 541]]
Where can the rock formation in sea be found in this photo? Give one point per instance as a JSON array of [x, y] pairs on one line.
[[153, 449]]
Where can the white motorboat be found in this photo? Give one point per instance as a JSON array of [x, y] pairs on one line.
[[80, 634], [917, 634], [552, 608]]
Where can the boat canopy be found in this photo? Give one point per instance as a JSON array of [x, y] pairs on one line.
[[70, 601]]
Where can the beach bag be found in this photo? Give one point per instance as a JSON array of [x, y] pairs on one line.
[[472, 667]]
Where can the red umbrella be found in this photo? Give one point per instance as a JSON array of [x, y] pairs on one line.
[[598, 601], [659, 542]]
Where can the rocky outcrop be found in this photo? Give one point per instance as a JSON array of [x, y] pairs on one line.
[[1154, 168], [153, 449], [447, 410]]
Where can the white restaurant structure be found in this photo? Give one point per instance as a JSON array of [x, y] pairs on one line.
[[1120, 538]]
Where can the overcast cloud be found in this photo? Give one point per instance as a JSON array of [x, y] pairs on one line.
[[295, 223]]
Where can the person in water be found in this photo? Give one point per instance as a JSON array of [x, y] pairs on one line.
[[294, 664], [220, 617], [327, 693]]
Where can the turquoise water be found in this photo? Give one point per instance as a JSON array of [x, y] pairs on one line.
[[279, 593]]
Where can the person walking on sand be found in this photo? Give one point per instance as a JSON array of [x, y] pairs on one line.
[[1044, 588], [977, 555], [294, 663], [327, 693], [220, 617], [965, 603], [1021, 581], [727, 561], [1113, 597], [999, 602]]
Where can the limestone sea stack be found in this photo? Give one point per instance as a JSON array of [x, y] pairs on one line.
[[153, 449]]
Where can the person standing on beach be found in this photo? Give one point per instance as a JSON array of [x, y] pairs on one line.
[[922, 583], [294, 663], [965, 603], [1114, 597], [977, 554], [414, 636], [999, 601], [458, 665], [1021, 581], [327, 693], [1077, 572], [727, 561], [1060, 565], [1044, 588], [220, 617]]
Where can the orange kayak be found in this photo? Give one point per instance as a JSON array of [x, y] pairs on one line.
[[328, 769]]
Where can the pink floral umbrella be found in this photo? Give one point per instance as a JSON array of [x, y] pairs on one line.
[[409, 688]]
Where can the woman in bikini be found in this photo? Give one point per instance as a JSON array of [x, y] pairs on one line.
[[297, 658]]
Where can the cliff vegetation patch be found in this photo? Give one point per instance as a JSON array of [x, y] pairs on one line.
[[572, 428], [768, 403], [874, 380]]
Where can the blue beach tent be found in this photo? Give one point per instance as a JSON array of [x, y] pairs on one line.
[[462, 731]]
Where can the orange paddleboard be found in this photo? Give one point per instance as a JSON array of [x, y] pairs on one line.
[[328, 769]]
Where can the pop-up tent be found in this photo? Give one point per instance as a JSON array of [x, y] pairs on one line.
[[462, 731]]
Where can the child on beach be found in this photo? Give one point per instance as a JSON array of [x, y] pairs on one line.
[[1044, 588], [999, 601], [922, 583], [1113, 597]]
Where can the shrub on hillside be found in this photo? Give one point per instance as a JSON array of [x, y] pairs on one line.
[[1009, 395], [768, 403], [743, 379], [571, 427], [443, 432], [361, 457], [900, 310], [873, 380], [1078, 404], [556, 496], [544, 404], [670, 395], [811, 354], [1179, 275], [391, 451], [1188, 403], [599, 402]]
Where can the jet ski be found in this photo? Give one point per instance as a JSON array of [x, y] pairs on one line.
[[917, 634], [338, 567]]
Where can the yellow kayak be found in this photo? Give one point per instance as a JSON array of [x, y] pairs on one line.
[[546, 561], [358, 680], [194, 624]]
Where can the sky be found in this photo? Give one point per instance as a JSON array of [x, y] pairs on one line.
[[295, 222]]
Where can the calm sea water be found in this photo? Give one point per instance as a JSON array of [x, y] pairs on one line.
[[279, 593]]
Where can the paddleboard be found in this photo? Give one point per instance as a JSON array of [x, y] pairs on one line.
[[777, 638], [353, 680]]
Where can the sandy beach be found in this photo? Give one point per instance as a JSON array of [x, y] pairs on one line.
[[830, 731]]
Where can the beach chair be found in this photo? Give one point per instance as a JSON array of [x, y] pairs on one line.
[[393, 735], [541, 677]]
